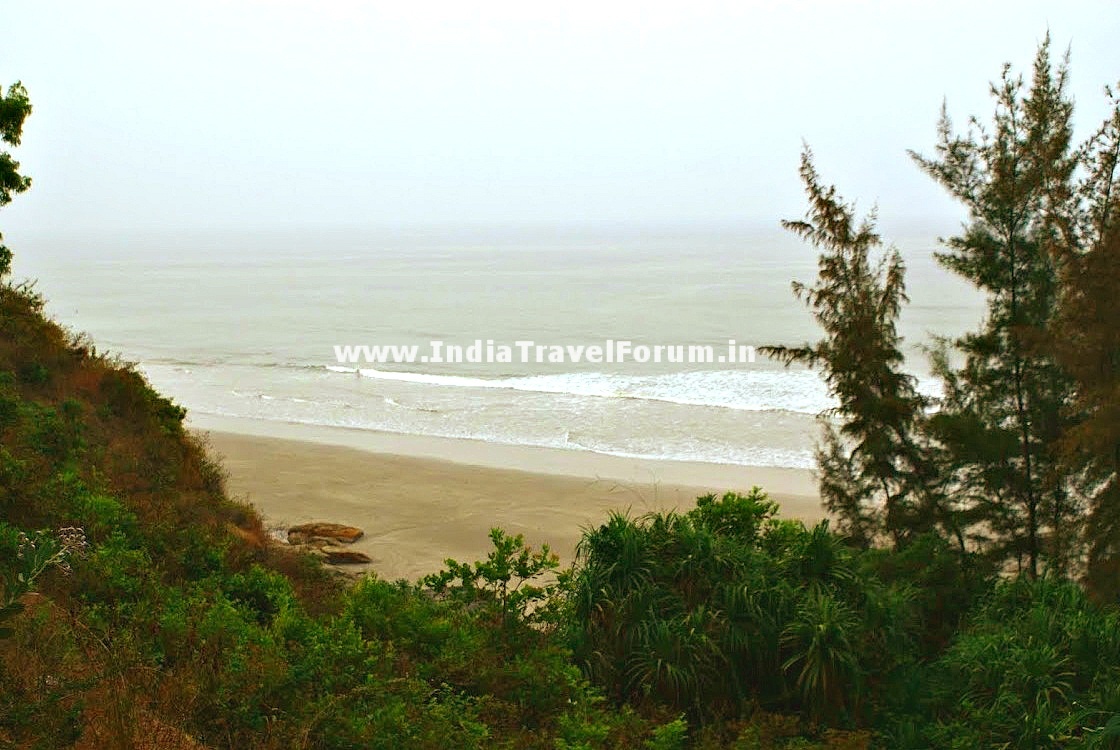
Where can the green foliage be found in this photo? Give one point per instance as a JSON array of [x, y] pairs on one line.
[[127, 396], [821, 639], [1086, 340], [1037, 666], [9, 401], [393, 612], [671, 736], [263, 592], [736, 515], [14, 109], [102, 515], [25, 557], [870, 468], [1003, 411], [116, 574], [1025, 438], [503, 581], [944, 584], [702, 615]]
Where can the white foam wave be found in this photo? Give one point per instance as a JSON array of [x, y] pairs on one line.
[[798, 391], [747, 456]]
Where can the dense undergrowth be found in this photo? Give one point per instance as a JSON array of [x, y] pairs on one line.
[[163, 618]]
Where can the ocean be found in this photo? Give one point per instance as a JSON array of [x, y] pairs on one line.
[[245, 325]]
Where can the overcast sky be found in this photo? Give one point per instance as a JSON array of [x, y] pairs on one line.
[[264, 113]]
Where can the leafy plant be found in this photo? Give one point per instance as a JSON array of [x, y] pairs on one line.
[[506, 579], [25, 558]]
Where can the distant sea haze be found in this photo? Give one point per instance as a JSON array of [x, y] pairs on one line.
[[245, 325]]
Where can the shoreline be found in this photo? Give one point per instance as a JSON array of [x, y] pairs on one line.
[[423, 499]]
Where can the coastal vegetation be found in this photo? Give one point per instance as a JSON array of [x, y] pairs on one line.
[[964, 596], [1018, 460]]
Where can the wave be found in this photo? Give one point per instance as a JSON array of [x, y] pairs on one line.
[[797, 391], [412, 407], [727, 455], [751, 456]]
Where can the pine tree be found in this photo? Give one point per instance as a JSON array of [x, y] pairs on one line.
[[869, 462], [1002, 416], [1087, 343], [14, 109]]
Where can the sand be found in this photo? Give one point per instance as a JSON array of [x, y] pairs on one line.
[[421, 500]]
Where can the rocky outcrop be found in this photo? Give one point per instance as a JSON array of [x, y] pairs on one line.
[[327, 540], [343, 556], [319, 532]]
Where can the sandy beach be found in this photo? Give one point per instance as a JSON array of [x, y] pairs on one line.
[[421, 500]]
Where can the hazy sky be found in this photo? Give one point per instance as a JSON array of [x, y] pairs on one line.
[[248, 114]]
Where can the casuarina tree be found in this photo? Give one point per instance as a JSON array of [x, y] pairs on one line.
[[870, 464]]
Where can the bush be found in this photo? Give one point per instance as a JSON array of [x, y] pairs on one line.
[[1036, 665]]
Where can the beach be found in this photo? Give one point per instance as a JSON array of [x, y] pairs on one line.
[[333, 394], [359, 334], [423, 499]]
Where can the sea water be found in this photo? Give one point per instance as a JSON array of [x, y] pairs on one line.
[[245, 324]]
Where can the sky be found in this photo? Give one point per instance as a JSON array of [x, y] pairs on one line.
[[255, 114]]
